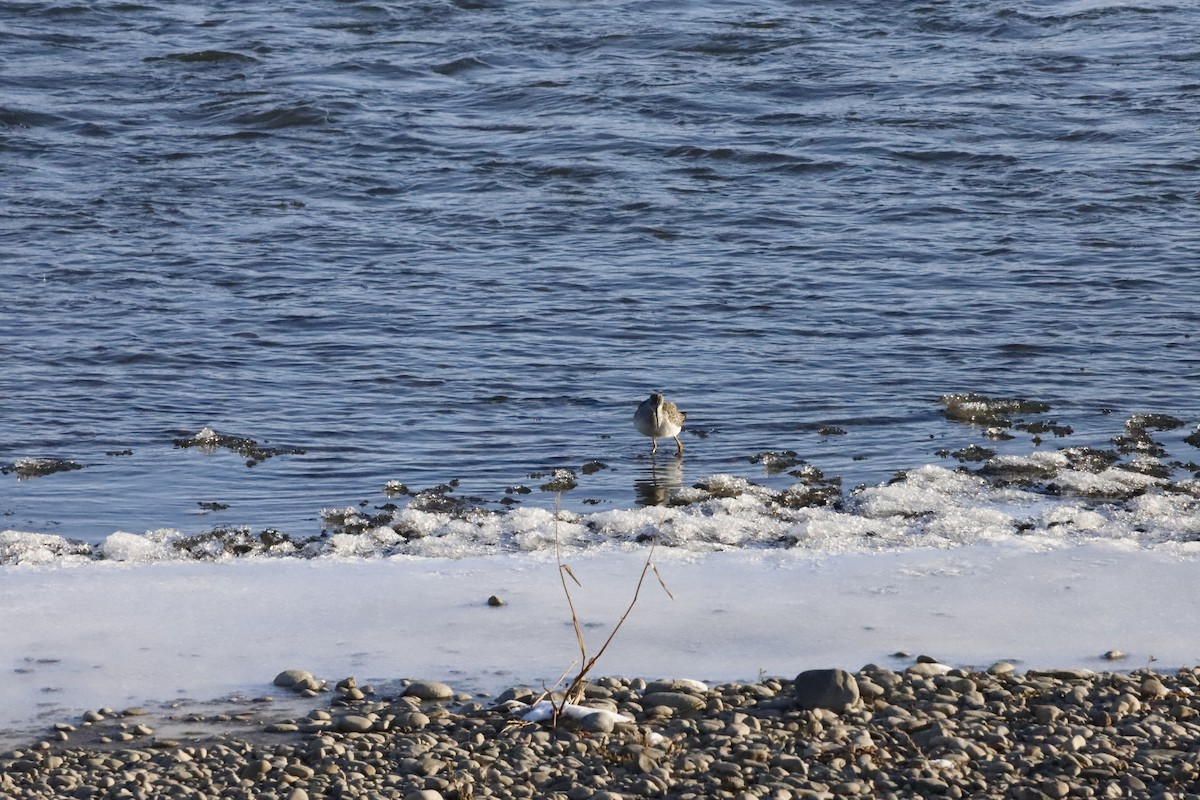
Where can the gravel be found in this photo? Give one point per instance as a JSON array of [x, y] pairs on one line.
[[926, 731]]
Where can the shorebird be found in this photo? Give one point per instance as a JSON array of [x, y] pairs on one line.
[[657, 418]]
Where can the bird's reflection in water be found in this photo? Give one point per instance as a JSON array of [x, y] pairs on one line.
[[655, 483]]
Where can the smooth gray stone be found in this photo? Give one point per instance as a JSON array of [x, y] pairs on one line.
[[521, 694], [676, 701], [673, 685], [290, 677], [597, 723], [832, 689], [353, 723], [429, 690]]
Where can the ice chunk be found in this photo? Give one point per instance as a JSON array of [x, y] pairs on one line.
[[545, 710]]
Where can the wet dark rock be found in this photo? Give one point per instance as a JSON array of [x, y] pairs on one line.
[[1157, 422], [236, 541], [776, 462], [831, 430], [563, 480], [209, 441], [593, 467], [970, 453], [26, 468], [1023, 474], [1137, 439], [721, 488], [1154, 469], [1045, 427], [441, 499], [1090, 459], [980, 409], [1041, 475], [806, 496]]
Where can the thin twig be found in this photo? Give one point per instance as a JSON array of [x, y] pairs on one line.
[[563, 568], [576, 686], [575, 690]]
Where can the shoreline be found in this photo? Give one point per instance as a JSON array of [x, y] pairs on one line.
[[929, 729], [128, 635]]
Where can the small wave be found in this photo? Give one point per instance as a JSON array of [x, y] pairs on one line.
[[283, 117], [206, 57], [459, 65]]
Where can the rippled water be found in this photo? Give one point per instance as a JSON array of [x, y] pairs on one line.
[[439, 241]]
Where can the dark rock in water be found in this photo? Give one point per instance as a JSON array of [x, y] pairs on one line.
[[440, 499], [495, 601], [26, 468], [774, 462], [1158, 422], [237, 541], [593, 466], [563, 480], [1193, 439], [971, 453], [832, 689], [1137, 439], [1045, 427], [980, 409], [803, 496], [209, 441]]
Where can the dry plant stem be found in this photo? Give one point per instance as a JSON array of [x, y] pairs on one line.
[[576, 687], [575, 690]]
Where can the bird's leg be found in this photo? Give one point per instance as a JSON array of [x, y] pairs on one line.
[[654, 449], [679, 446]]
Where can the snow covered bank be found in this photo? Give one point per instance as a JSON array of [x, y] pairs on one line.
[[113, 634]]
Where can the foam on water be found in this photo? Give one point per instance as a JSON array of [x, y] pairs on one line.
[[930, 506]]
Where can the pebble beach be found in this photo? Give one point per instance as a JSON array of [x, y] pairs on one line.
[[925, 730]]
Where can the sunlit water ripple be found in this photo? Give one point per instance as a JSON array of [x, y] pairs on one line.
[[438, 241]]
